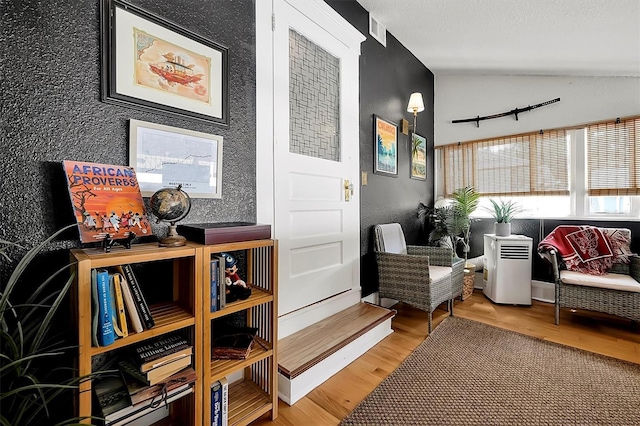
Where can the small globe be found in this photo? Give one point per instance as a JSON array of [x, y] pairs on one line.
[[170, 204]]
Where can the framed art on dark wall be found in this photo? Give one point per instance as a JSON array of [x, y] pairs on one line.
[[418, 157], [165, 156], [150, 62], [385, 135]]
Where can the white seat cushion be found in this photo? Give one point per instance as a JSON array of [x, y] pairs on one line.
[[436, 273], [610, 280]]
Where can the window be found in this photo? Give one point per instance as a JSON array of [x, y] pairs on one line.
[[586, 171], [523, 165]]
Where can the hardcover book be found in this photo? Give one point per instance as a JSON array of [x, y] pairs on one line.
[[159, 348], [216, 404], [105, 332], [214, 285], [159, 374], [130, 304], [129, 414], [140, 392], [119, 316], [106, 201], [136, 291], [224, 384], [147, 366], [235, 343], [222, 283], [111, 394]]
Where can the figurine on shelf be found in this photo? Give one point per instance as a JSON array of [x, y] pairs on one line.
[[236, 289]]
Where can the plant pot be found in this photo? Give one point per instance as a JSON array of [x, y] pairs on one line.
[[503, 229]]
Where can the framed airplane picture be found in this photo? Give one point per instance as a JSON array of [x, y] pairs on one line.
[[150, 62]]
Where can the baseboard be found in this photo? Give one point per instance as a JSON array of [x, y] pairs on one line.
[[543, 291], [292, 390]]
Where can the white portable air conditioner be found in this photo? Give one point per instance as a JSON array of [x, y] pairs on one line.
[[507, 269]]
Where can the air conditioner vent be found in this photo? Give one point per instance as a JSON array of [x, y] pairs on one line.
[[511, 251], [377, 31]]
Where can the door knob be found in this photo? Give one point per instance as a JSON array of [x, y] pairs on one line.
[[348, 190]]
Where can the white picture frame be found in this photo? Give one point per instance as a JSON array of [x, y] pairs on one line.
[[166, 156]]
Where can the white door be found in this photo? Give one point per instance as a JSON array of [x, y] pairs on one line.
[[315, 155]]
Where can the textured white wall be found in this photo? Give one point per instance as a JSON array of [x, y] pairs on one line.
[[582, 100]]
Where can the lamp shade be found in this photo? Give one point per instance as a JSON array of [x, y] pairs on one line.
[[415, 103]]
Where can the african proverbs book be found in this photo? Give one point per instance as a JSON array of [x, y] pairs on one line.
[[106, 200]]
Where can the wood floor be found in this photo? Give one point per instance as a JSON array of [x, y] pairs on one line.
[[333, 400]]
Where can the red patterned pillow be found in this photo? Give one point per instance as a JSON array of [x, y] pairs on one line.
[[593, 250], [620, 243]]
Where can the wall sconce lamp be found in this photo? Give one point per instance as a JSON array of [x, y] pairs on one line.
[[416, 105]]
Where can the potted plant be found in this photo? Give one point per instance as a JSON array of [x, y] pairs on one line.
[[452, 221], [33, 388], [503, 212]]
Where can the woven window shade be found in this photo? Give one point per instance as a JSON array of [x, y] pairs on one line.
[[522, 165], [613, 152]]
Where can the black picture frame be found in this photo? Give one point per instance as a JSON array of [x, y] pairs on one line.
[[190, 77], [418, 155]]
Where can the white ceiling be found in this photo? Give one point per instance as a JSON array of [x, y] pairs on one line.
[[518, 37]]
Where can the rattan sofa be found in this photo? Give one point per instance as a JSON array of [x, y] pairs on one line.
[[616, 293], [421, 276]]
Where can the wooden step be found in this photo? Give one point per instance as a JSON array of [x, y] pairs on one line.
[[302, 350]]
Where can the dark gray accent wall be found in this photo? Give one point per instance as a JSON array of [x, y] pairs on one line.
[[388, 76], [51, 111], [51, 108]]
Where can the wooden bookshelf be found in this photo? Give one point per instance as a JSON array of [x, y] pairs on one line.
[[256, 392], [182, 313], [188, 310]]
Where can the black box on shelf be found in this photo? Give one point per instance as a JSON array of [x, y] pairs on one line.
[[224, 232]]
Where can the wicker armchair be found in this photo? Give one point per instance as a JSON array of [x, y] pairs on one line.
[[616, 293], [421, 276]]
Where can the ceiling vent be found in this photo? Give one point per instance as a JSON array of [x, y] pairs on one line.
[[378, 31]]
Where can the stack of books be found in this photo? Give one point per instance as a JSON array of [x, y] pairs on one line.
[[119, 407], [153, 374], [156, 360]]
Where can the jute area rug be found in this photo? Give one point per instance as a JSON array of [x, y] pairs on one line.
[[469, 373]]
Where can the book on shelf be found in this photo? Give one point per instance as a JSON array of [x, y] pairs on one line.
[[158, 374], [128, 414], [139, 391], [105, 334], [130, 304], [222, 283], [119, 317], [131, 371], [111, 394], [220, 402], [95, 307], [216, 404], [214, 285], [146, 366], [99, 213], [235, 343], [161, 347], [136, 291], [225, 401]]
